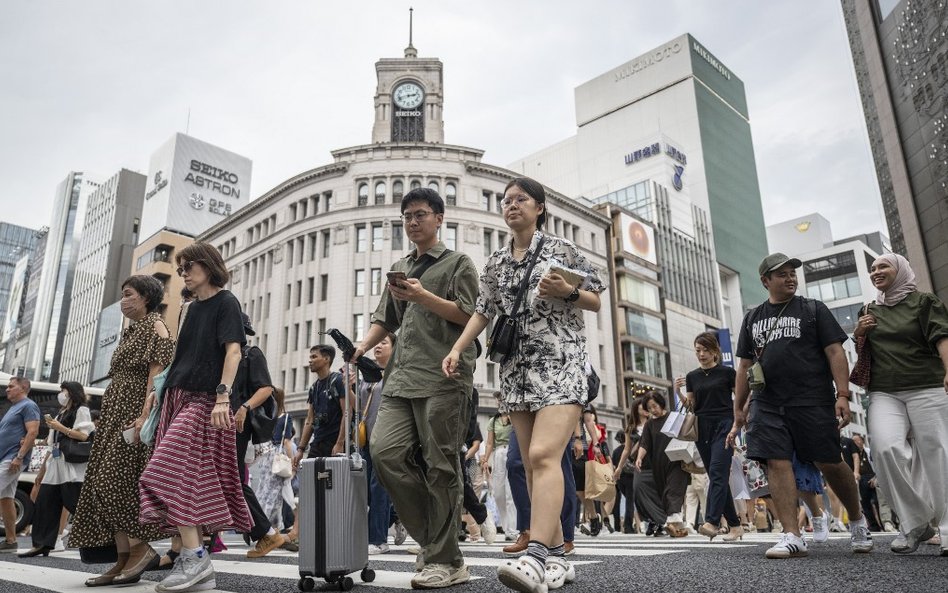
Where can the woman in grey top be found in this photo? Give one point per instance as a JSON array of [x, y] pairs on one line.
[[543, 384]]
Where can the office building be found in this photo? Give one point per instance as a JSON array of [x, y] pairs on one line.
[[17, 244], [109, 234], [667, 137], [54, 278], [311, 254], [837, 273], [900, 56]]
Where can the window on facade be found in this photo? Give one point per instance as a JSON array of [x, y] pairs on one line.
[[360, 283], [299, 293], [501, 239], [322, 328], [398, 189], [644, 326], [451, 194], [289, 253], [491, 375], [313, 246], [325, 240], [286, 339], [323, 287], [363, 194], [327, 197], [304, 206], [641, 293], [594, 242], [309, 334], [485, 200], [287, 297], [415, 184], [434, 185], [376, 282], [293, 213], [300, 249], [293, 375], [644, 360], [488, 243], [310, 290], [380, 192], [398, 237], [847, 316], [377, 236], [451, 237], [358, 326], [834, 289], [361, 239], [296, 336]]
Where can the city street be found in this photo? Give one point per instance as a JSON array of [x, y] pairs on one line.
[[609, 563]]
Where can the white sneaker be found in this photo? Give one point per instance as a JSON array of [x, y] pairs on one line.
[[60, 546], [379, 549], [559, 572], [511, 535], [789, 546], [489, 530], [859, 537], [820, 529], [438, 576]]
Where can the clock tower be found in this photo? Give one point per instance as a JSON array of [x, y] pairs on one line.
[[409, 99]]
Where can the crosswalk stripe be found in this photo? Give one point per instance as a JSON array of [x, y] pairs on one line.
[[383, 578], [63, 581]]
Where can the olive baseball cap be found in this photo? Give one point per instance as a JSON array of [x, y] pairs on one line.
[[776, 260]]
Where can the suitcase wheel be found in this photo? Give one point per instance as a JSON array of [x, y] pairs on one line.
[[368, 575], [306, 584], [346, 584]]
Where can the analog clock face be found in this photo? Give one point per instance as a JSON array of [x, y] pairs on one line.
[[408, 95]]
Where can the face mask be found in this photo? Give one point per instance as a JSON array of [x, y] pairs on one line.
[[63, 399]]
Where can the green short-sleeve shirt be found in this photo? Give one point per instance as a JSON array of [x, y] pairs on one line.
[[424, 338], [904, 344]]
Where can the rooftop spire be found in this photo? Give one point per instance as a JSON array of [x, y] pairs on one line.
[[410, 51]]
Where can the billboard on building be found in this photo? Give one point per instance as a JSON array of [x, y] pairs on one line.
[[192, 185], [107, 336], [17, 287], [637, 238]]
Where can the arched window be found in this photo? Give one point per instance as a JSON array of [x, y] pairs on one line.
[[380, 192], [434, 185], [398, 189], [363, 194], [451, 194], [415, 184]]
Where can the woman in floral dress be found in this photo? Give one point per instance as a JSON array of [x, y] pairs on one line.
[[543, 384], [109, 504]]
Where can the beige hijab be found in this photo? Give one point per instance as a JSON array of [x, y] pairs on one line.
[[904, 283]]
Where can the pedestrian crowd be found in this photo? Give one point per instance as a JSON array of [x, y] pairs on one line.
[[194, 439]]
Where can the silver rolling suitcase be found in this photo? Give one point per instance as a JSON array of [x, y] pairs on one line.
[[334, 533]]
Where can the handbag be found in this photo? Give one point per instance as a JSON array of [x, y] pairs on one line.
[[282, 465], [505, 336], [673, 424], [860, 373], [147, 433], [600, 483], [75, 451], [755, 475], [363, 434], [263, 420]]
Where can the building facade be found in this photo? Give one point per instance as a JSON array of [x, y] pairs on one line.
[[109, 234], [54, 278], [900, 56], [667, 137], [311, 254], [837, 273], [17, 244]]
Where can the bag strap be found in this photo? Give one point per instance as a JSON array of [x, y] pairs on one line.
[[526, 278], [365, 410], [773, 329], [421, 266]]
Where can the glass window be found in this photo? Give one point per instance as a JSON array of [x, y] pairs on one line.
[[358, 326], [415, 184], [852, 285], [639, 292], [451, 194], [323, 287], [648, 361], [377, 236], [488, 243], [287, 297], [299, 293], [376, 280], [363, 194], [486, 201], [380, 192], [644, 326], [451, 237], [313, 246], [360, 283], [361, 238], [289, 253], [434, 185], [325, 239], [398, 236], [398, 189]]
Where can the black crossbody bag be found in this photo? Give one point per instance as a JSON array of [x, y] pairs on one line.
[[505, 337]]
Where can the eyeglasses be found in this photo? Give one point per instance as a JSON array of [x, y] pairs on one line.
[[520, 200], [186, 266], [416, 216]]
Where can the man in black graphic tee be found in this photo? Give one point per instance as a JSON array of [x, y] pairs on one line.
[[798, 412]]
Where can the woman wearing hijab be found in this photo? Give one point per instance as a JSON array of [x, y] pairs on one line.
[[907, 335]]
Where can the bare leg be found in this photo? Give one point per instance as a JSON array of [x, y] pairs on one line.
[[783, 490], [8, 510], [840, 478], [190, 536]]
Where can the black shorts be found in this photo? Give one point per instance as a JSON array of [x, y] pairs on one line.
[[321, 449], [777, 432]]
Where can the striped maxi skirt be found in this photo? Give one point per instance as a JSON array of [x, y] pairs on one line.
[[191, 478]]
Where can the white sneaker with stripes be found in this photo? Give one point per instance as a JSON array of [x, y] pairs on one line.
[[789, 546]]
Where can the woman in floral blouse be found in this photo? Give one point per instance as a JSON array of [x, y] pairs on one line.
[[543, 383]]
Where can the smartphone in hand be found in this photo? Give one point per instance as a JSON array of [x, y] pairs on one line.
[[129, 435], [395, 277]]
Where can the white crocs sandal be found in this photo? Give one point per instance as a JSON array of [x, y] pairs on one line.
[[522, 574], [559, 572]]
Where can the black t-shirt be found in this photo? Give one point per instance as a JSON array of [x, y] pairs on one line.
[[208, 326], [849, 447], [712, 389], [252, 375], [865, 468], [796, 370], [324, 396]]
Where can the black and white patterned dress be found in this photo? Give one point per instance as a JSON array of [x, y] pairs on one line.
[[549, 367]]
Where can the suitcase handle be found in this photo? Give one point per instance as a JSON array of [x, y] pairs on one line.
[[345, 345]]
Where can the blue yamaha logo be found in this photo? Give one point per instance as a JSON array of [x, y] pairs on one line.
[[676, 178]]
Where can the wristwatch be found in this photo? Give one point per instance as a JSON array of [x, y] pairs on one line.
[[223, 389], [573, 296], [246, 405]]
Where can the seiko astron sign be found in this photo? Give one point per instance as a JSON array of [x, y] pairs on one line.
[[192, 185]]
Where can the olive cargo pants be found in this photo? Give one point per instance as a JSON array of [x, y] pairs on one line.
[[427, 499]]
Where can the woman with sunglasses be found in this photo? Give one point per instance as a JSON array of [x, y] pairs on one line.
[[191, 482], [543, 383]]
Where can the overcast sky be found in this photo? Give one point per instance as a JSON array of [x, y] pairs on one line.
[[99, 85]]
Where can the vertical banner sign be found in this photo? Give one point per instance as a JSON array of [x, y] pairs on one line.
[[724, 340]]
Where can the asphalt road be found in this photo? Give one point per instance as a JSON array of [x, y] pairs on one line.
[[607, 564]]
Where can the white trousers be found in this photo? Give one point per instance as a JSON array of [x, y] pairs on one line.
[[696, 496], [909, 443], [501, 488]]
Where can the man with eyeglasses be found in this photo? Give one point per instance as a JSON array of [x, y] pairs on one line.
[[422, 410]]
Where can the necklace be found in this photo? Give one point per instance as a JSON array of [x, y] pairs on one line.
[[519, 250], [708, 370]]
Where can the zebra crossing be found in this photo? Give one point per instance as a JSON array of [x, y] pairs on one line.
[[63, 572]]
